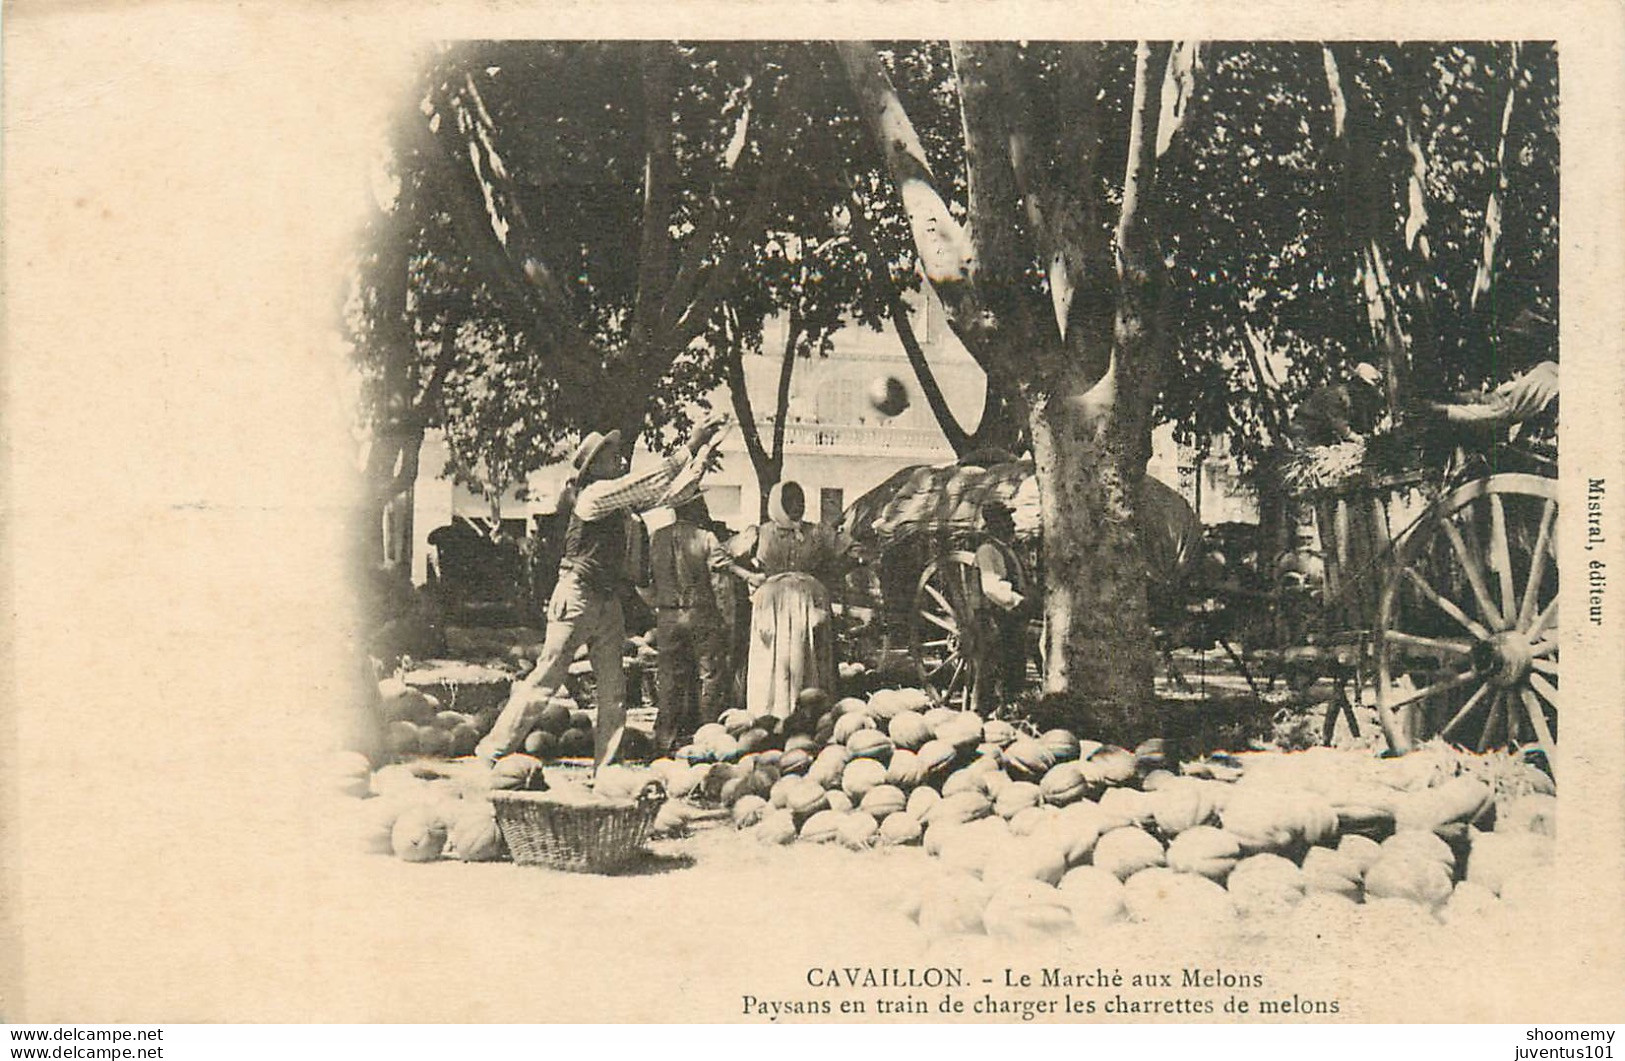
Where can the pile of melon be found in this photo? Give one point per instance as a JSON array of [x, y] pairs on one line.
[[1041, 832], [415, 724], [419, 814]]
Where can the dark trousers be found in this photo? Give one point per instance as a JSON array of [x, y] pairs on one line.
[[689, 679]]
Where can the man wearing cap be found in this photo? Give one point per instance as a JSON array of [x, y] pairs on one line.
[[585, 607]]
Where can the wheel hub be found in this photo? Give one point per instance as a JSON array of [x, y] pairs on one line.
[[1503, 660]]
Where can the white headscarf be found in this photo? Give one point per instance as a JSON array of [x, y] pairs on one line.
[[775, 508]]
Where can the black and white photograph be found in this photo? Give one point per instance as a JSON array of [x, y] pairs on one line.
[[1040, 525]]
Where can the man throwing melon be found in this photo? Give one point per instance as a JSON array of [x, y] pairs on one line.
[[585, 607]]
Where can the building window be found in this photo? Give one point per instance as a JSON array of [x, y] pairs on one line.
[[831, 504]]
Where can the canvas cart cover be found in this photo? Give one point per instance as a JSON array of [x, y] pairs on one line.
[[946, 499]]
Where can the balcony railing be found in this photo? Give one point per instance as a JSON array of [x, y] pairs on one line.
[[862, 438]]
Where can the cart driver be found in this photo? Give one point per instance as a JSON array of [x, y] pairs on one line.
[[1001, 661], [1340, 412]]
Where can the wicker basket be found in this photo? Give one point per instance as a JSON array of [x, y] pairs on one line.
[[580, 837]]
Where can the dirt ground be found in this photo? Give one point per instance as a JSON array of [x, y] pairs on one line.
[[702, 922]]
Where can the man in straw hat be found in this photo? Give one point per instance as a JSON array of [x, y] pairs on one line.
[[586, 607]]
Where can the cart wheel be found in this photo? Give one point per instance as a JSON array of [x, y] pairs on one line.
[[1467, 627], [939, 630]]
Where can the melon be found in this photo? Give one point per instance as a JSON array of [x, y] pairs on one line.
[[1160, 895], [963, 780], [401, 738], [861, 775], [1265, 885], [884, 705], [576, 742], [1362, 849], [1182, 805], [754, 739], [397, 780], [375, 821], [1408, 876], [959, 808], [961, 732], [829, 765], [748, 810], [1110, 765], [686, 782], [1422, 844], [936, 755], [870, 744], [518, 771], [806, 797], [1204, 851], [1094, 896], [1328, 870], [474, 836], [462, 739], [1127, 805], [671, 819], [418, 835], [580, 719], [555, 717], [921, 799], [937, 717], [883, 801], [839, 801], [908, 729], [778, 795], [998, 732], [734, 721], [801, 742], [776, 827], [1015, 797], [1031, 820], [849, 705], [1062, 745], [1461, 799], [1027, 910], [821, 827], [400, 702], [905, 770], [953, 905], [1028, 759], [1125, 851], [1026, 858], [857, 830], [1063, 784], [900, 829], [795, 761], [433, 742]]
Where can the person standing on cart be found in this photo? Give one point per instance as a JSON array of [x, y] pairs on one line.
[[586, 603], [1000, 638]]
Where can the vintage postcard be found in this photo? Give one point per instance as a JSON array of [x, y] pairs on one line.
[[883, 513]]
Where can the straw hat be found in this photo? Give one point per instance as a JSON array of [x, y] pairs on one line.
[[590, 446]]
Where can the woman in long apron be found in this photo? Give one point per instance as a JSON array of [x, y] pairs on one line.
[[792, 641]]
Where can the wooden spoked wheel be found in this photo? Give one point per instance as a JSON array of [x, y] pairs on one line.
[[1467, 626], [940, 628]]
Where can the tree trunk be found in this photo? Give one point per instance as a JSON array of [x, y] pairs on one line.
[[1098, 658]]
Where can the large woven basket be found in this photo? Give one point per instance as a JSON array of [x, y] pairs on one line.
[[542, 830]]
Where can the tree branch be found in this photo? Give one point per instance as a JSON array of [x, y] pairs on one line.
[[951, 429], [1484, 279], [945, 250], [660, 165]]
